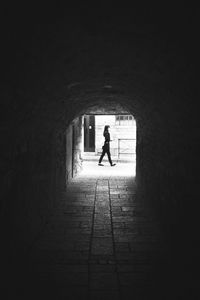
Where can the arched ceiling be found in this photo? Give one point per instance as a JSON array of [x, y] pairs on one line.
[[62, 68]]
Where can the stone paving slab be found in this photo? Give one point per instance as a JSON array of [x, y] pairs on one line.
[[104, 295], [98, 244]]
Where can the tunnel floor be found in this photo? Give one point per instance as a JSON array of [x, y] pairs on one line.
[[124, 169], [98, 244]]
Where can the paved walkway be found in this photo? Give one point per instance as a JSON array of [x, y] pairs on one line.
[[98, 244], [91, 169]]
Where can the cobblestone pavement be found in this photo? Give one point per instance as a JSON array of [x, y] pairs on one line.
[[98, 244]]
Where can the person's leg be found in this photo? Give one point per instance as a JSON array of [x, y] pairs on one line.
[[109, 157], [101, 157]]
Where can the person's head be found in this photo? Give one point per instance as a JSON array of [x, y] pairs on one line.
[[106, 128]]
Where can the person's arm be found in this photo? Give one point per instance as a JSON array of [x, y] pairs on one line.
[[107, 137]]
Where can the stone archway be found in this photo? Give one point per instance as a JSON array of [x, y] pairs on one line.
[[74, 133]]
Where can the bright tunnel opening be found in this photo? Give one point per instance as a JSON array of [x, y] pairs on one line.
[[122, 145]]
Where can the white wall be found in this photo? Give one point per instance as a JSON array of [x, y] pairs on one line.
[[117, 132]]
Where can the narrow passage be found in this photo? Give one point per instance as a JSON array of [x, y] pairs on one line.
[[98, 244]]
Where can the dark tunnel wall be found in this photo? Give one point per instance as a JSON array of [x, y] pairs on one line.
[[59, 71]]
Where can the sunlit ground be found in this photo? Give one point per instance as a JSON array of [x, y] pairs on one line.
[[122, 169]]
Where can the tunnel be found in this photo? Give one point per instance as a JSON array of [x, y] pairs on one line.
[[58, 69]]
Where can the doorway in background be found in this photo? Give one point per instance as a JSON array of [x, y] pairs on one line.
[[89, 133]]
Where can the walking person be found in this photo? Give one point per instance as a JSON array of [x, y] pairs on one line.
[[106, 147]]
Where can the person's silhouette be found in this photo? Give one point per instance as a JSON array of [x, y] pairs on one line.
[[106, 147]]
